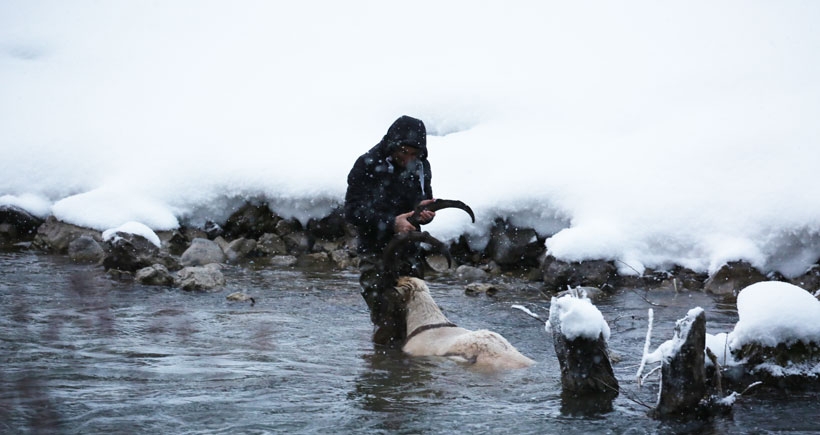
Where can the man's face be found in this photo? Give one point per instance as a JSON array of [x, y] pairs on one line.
[[405, 155]]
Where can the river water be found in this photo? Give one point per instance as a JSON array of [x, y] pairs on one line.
[[84, 353]]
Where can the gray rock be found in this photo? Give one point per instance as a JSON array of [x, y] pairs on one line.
[[85, 249], [510, 245], [315, 259], [283, 260], [251, 221], [200, 278], [809, 280], [174, 241], [470, 273], [129, 252], [330, 227], [155, 274], [285, 227], [239, 249], [202, 252], [17, 225], [212, 230], [223, 244], [322, 245], [298, 242], [733, 277], [239, 297], [485, 288], [342, 258], [493, 268], [55, 236], [271, 244], [558, 275]]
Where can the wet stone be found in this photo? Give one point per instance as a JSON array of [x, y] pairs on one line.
[[271, 244], [283, 260], [85, 249], [202, 252], [239, 249], [155, 274], [470, 273], [200, 278], [731, 278]]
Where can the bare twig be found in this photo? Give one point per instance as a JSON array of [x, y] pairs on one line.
[[718, 376], [648, 301], [651, 315], [754, 384], [629, 266], [648, 374], [528, 312]]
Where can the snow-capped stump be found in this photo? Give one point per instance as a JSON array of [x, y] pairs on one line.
[[685, 390], [777, 336], [683, 373], [580, 336]]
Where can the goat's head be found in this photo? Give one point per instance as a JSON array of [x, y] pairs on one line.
[[408, 287], [393, 251]]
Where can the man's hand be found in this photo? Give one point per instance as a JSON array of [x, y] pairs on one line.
[[426, 216], [402, 225]]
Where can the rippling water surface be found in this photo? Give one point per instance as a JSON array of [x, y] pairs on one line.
[[82, 353]]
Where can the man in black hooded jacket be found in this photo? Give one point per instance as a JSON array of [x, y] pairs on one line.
[[383, 188]]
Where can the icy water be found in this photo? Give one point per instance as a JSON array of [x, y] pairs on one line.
[[82, 353]]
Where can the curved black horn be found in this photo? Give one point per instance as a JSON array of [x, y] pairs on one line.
[[392, 251], [438, 205]]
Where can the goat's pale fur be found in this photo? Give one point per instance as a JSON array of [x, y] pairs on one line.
[[482, 349]]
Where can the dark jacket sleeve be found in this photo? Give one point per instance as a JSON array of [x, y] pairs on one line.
[[362, 205]]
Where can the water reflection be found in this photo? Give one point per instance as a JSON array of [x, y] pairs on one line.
[[590, 405], [392, 386]]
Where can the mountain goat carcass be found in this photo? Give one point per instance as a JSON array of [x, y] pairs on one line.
[[430, 333]]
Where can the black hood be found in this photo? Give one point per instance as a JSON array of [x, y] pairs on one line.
[[406, 131]]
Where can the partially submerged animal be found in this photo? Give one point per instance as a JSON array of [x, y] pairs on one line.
[[430, 333]]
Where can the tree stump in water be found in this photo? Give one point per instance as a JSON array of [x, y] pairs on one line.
[[683, 374], [585, 365], [587, 380]]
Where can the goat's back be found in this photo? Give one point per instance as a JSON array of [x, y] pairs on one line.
[[489, 350], [482, 350]]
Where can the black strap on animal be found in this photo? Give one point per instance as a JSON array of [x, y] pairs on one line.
[[423, 328], [438, 205]]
